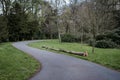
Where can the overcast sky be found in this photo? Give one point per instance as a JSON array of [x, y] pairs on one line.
[[68, 1]]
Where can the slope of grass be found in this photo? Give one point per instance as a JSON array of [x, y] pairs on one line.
[[107, 57], [14, 64]]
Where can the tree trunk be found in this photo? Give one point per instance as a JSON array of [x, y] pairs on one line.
[[59, 36], [81, 39], [93, 45], [93, 49], [51, 36]]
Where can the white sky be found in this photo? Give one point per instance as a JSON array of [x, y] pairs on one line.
[[67, 1]]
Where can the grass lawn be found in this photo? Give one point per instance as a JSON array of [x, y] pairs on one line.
[[107, 57], [16, 65]]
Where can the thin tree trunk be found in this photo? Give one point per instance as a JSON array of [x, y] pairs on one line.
[[93, 45], [93, 49], [51, 36], [59, 35], [82, 36]]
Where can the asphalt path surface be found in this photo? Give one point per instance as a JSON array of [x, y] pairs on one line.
[[62, 67]]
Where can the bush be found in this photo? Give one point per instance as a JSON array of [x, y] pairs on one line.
[[105, 44], [113, 36], [77, 39], [101, 37], [118, 31], [90, 42], [68, 38]]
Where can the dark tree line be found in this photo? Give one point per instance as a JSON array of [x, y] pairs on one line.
[[28, 19], [14, 23]]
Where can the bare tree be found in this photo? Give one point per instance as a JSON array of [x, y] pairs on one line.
[[97, 17], [58, 5]]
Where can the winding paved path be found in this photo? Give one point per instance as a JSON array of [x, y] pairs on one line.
[[62, 67]]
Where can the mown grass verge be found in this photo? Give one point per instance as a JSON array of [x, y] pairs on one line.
[[107, 57], [15, 64]]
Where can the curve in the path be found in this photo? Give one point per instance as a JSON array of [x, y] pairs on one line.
[[62, 67]]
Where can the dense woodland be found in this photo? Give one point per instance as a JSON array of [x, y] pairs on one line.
[[96, 22]]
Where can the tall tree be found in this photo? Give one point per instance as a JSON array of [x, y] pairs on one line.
[[98, 18], [3, 29]]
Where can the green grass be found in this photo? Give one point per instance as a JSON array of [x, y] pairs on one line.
[[16, 65], [107, 57]]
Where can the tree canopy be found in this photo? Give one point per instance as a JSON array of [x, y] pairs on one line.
[[84, 20]]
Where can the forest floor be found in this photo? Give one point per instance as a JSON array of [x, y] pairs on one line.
[[106, 57], [15, 64]]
